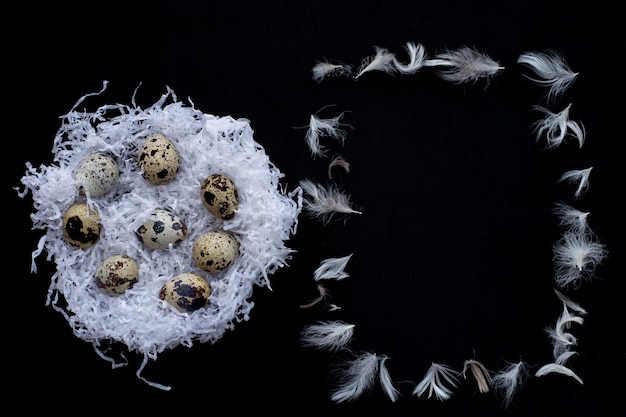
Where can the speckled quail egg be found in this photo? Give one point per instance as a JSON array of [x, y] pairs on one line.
[[158, 159], [220, 196], [116, 274], [216, 250], [162, 228], [81, 226], [187, 292], [96, 174]]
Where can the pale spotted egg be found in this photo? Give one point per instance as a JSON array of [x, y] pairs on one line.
[[215, 251], [187, 292], [162, 228]]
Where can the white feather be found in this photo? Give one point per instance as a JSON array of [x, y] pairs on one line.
[[324, 127], [324, 203], [439, 380], [550, 70], [557, 368], [576, 257], [562, 340], [355, 377], [332, 268], [556, 127], [417, 58], [569, 303], [383, 60], [325, 69], [572, 219], [465, 65], [385, 380], [578, 175], [327, 335], [509, 380]]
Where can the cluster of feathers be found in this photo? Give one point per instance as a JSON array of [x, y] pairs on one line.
[[576, 254]]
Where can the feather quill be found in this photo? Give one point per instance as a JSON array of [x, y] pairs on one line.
[[576, 257], [439, 380], [327, 335], [324, 203], [326, 69], [355, 377], [578, 175], [509, 380], [383, 60], [550, 70], [465, 65], [556, 127]]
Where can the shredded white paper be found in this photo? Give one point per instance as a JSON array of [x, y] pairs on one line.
[[266, 218]]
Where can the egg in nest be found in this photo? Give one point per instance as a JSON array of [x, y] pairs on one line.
[[116, 274], [158, 159], [220, 196], [187, 292], [81, 226], [161, 229], [215, 251], [96, 174]]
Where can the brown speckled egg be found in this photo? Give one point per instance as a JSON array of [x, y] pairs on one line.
[[158, 159], [81, 226], [160, 229], [187, 292], [96, 174], [220, 196], [215, 251], [116, 274]]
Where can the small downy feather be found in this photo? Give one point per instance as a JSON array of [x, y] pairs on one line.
[[324, 203], [383, 60], [324, 127], [465, 65], [386, 382], [572, 219], [556, 127], [332, 336], [480, 372], [439, 380], [550, 71], [332, 268], [576, 257], [355, 377], [580, 176], [509, 380], [417, 58], [326, 69]]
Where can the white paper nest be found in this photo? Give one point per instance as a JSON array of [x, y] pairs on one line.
[[266, 218]]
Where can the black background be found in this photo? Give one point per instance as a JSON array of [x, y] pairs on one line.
[[452, 254]]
